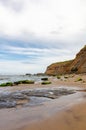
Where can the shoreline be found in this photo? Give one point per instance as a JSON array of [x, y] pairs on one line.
[[65, 113], [70, 81]]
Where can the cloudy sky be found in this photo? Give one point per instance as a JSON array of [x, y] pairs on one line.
[[36, 33]]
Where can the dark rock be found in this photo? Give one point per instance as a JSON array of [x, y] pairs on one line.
[[7, 104], [18, 95], [14, 99], [44, 79]]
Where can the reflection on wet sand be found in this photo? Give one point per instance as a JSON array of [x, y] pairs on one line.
[[72, 118], [50, 115]]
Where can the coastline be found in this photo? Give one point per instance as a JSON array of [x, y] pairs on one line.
[[70, 81], [71, 114]]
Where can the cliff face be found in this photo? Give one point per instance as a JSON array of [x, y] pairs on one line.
[[78, 65]]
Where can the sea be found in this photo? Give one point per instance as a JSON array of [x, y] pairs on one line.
[[13, 78]]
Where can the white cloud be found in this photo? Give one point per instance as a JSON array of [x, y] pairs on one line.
[[27, 66], [37, 59], [57, 27], [40, 59], [15, 67], [37, 51], [63, 17]]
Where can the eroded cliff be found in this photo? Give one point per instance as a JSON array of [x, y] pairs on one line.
[[78, 65]]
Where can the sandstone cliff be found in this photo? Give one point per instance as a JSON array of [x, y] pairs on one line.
[[78, 65]]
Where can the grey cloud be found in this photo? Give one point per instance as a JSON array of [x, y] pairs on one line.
[[15, 6], [56, 32]]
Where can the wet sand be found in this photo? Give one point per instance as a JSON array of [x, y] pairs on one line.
[[65, 113], [47, 116], [73, 118]]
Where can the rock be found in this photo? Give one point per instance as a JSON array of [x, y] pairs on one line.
[[7, 104], [49, 93], [44, 79], [5, 96], [6, 84], [18, 95], [39, 74], [28, 74], [12, 99], [20, 98], [78, 65]]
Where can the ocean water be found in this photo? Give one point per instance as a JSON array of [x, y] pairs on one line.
[[13, 78]]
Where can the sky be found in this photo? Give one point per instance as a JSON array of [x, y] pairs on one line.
[[36, 33]]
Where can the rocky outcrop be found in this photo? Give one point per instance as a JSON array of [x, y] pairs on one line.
[[32, 97], [78, 65]]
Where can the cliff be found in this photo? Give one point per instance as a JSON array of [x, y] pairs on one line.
[[78, 65]]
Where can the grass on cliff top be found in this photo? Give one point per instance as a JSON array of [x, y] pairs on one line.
[[63, 62], [84, 48]]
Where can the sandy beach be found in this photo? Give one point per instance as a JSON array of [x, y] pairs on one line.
[[65, 80], [42, 64], [73, 118], [64, 113]]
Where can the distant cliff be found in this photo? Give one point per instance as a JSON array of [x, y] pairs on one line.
[[78, 65]]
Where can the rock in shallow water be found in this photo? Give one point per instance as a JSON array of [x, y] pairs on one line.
[[17, 98], [18, 95], [7, 104]]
